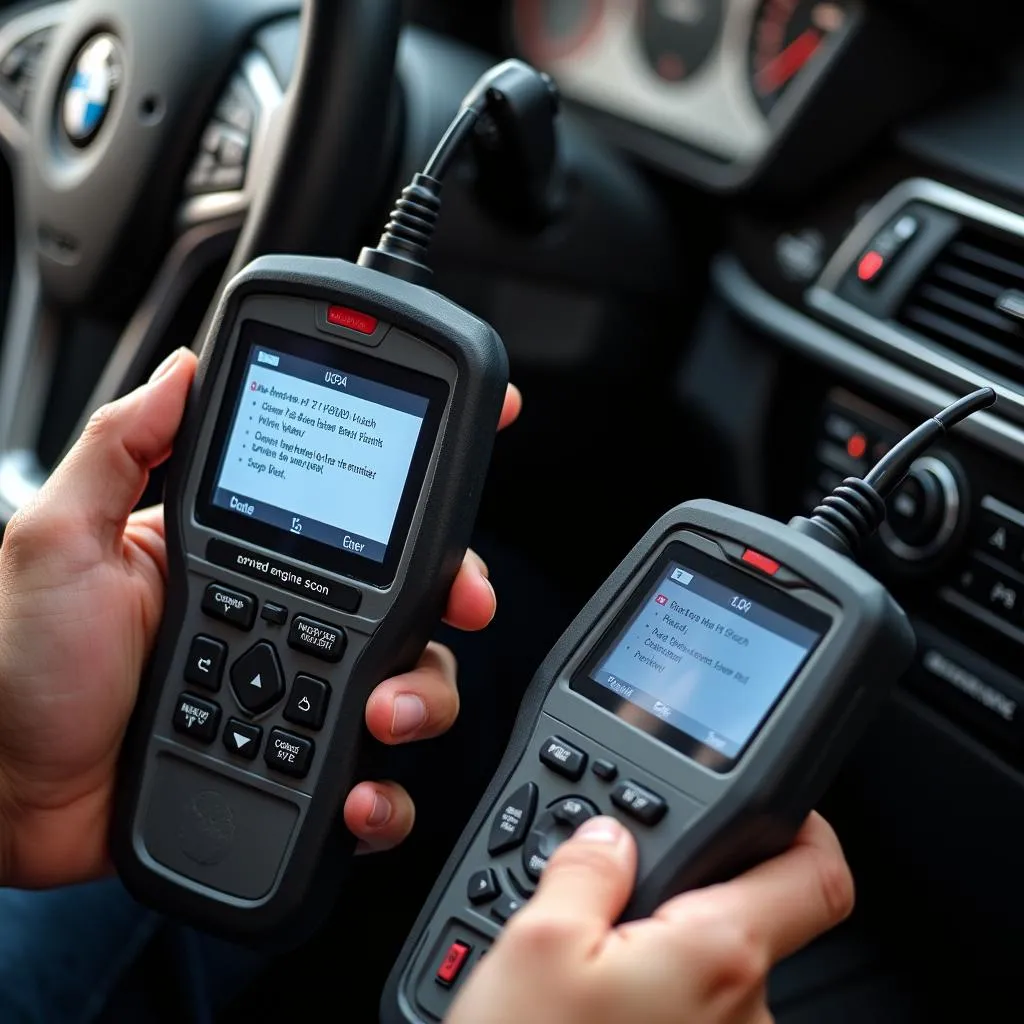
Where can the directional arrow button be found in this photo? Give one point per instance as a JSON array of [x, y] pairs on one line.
[[257, 678], [242, 738]]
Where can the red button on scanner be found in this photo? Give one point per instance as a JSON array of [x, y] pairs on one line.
[[767, 565], [342, 316], [453, 962]]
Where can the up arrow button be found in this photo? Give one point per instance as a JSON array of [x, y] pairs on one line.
[[257, 679]]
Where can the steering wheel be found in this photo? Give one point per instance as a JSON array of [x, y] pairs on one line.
[[153, 142]]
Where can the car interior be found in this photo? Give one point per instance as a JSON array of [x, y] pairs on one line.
[[783, 233]]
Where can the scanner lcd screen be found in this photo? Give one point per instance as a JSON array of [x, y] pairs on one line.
[[701, 656], [324, 451]]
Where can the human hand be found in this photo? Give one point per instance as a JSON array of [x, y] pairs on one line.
[[703, 958], [82, 583]]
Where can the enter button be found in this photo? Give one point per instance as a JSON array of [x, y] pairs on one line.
[[288, 753]]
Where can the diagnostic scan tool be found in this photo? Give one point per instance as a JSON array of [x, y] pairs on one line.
[[319, 503], [705, 697]]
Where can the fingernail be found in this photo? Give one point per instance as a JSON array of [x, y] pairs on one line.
[[165, 367], [380, 813], [408, 714], [494, 596], [600, 830], [484, 570]]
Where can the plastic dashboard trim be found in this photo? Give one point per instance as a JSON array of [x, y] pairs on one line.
[[803, 334], [823, 298]]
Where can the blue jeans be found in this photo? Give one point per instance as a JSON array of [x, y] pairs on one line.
[[66, 957]]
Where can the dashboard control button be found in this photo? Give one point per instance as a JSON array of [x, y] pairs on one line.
[[232, 606], [513, 819], [996, 591], [877, 259], [196, 717], [924, 512], [648, 808], [563, 758], [242, 738], [288, 753], [204, 665], [482, 887], [257, 679], [999, 537]]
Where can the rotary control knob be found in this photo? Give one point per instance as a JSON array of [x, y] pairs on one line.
[[924, 511]]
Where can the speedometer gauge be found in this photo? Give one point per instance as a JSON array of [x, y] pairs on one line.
[[679, 35], [788, 36], [548, 30]]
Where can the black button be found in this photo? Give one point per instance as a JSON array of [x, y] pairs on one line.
[[317, 638], [553, 828], [257, 678], [196, 717], [996, 591], [506, 907], [513, 819], [230, 605], [204, 665], [605, 770], [999, 537], [648, 808], [242, 738], [573, 812], [563, 758], [288, 753], [276, 614], [482, 886], [308, 703]]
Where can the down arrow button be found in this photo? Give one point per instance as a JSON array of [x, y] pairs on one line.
[[257, 678]]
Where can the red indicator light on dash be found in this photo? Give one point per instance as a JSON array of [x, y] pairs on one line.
[[342, 316], [762, 562], [870, 264], [857, 446]]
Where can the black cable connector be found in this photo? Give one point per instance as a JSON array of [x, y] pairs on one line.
[[855, 510], [521, 104]]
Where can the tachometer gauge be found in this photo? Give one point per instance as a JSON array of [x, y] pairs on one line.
[[679, 35], [547, 30], [788, 36]]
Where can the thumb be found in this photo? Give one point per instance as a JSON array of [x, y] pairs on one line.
[[104, 474], [589, 879]]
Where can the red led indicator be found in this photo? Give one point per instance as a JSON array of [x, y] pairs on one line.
[[857, 446], [870, 264], [342, 316], [453, 962], [762, 562]]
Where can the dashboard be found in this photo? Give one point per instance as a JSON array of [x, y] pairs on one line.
[[722, 76]]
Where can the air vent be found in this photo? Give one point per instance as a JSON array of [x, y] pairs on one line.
[[956, 303]]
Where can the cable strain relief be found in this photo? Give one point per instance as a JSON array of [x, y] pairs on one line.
[[847, 518], [404, 246]]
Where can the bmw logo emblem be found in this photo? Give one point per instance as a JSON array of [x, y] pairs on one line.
[[95, 77]]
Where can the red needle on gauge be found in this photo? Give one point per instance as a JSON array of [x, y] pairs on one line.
[[780, 69]]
